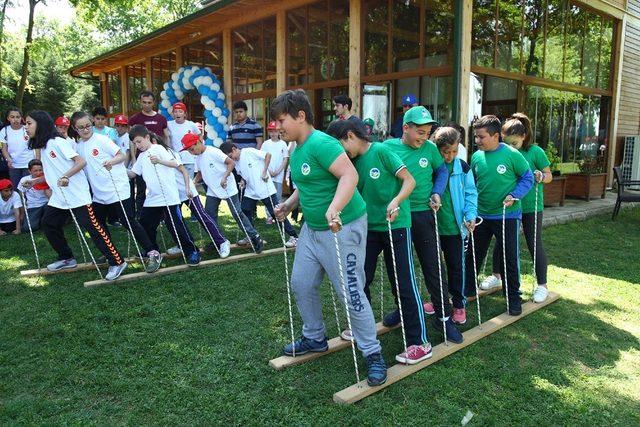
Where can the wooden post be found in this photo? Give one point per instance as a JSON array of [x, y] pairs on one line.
[[124, 90], [281, 51], [104, 91], [148, 75], [463, 116], [355, 55], [227, 66], [179, 57], [621, 29]]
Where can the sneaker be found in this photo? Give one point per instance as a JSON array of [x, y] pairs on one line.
[[153, 263], [459, 316], [515, 309], [453, 334], [376, 369], [115, 271], [243, 242], [428, 308], [415, 354], [258, 244], [174, 250], [269, 221], [346, 335], [490, 282], [540, 294], [292, 242], [115, 224], [392, 319], [304, 345], [225, 249], [194, 258], [62, 264], [101, 260]]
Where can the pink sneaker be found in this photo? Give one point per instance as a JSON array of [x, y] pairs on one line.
[[459, 316], [415, 354], [428, 308]]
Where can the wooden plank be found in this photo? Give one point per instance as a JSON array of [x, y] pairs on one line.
[[337, 344], [355, 55], [399, 371], [182, 267]]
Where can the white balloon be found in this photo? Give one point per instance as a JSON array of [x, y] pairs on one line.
[[194, 68], [208, 129], [170, 110], [204, 99], [179, 94], [165, 103], [221, 95], [215, 86], [218, 142], [210, 105], [213, 134], [181, 69], [164, 95], [217, 112], [174, 77], [207, 81], [222, 120], [208, 69], [226, 128], [165, 86], [175, 86], [188, 72]]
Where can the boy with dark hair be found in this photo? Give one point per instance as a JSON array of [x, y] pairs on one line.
[[244, 132], [326, 190], [503, 178], [36, 195], [100, 127], [342, 107], [10, 209]]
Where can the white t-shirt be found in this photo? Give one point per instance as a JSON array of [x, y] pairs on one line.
[[462, 153], [211, 166], [17, 142], [35, 198], [124, 142], [73, 143], [250, 167], [279, 151], [56, 161], [182, 191], [7, 207], [158, 193], [96, 150], [178, 130]]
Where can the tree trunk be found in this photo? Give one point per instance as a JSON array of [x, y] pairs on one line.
[[5, 3], [25, 59]]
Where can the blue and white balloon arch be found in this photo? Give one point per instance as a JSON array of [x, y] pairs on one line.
[[211, 97]]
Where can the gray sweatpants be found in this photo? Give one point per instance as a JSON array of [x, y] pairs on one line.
[[315, 256]]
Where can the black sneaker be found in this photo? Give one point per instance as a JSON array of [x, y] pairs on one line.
[[453, 334], [515, 311], [194, 258], [392, 319], [376, 370], [258, 244]]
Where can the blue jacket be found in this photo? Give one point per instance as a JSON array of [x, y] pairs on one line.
[[464, 194]]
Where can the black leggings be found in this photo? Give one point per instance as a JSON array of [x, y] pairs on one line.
[[104, 211], [528, 220]]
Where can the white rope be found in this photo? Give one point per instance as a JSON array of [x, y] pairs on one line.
[[239, 219], [33, 241], [335, 310], [504, 253], [535, 240], [381, 264], [346, 306], [128, 245], [475, 272], [193, 207], [126, 217], [161, 233], [395, 274], [80, 236], [437, 232], [75, 221], [166, 204]]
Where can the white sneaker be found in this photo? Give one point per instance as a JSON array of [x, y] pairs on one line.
[[490, 282], [174, 251], [346, 335], [540, 294], [243, 242], [115, 271], [225, 249], [292, 242], [62, 264]]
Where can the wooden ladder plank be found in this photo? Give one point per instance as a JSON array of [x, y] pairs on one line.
[[337, 343], [399, 371]]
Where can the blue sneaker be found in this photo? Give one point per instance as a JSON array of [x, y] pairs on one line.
[[392, 319], [194, 258], [453, 334], [376, 369], [304, 345]]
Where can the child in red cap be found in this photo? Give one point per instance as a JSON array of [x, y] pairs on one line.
[[122, 129], [10, 205], [179, 127]]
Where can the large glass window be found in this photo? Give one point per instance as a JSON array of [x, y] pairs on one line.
[[483, 33], [254, 56], [137, 82], [162, 67], [438, 32], [509, 45], [114, 88], [405, 51], [376, 39], [205, 53]]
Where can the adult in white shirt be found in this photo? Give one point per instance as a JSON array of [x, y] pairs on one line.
[[10, 205], [279, 157], [109, 182], [36, 196], [179, 127], [63, 170], [15, 146]]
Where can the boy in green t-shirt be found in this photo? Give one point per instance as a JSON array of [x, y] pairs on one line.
[[424, 162], [503, 178], [326, 183], [385, 184]]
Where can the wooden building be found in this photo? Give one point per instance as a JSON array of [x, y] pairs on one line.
[[572, 66]]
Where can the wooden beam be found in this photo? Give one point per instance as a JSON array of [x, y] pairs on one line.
[[104, 91], [464, 118], [227, 67], [399, 371], [148, 74], [182, 267], [179, 57], [124, 90], [281, 51], [355, 55], [337, 343], [618, 57]]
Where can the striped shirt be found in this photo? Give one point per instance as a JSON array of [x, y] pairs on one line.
[[244, 135]]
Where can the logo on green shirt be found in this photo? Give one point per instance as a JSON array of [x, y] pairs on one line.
[[423, 162], [305, 169], [501, 169], [374, 173]]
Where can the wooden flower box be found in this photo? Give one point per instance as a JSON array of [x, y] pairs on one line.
[[554, 192], [586, 186]]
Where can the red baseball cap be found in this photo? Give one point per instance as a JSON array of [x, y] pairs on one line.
[[180, 106], [5, 183], [121, 119], [62, 121], [272, 125], [189, 140]]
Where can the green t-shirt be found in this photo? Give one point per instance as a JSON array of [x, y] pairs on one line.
[[378, 184], [537, 160], [310, 164], [497, 173], [447, 225], [421, 162]]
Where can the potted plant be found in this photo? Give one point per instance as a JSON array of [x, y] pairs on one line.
[[591, 181], [554, 192]]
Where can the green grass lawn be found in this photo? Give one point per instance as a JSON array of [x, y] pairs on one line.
[[193, 348]]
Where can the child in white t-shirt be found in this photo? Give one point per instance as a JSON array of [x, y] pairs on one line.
[[122, 130], [15, 146], [155, 165], [10, 205], [62, 126], [253, 166], [179, 127], [100, 124], [36, 195], [279, 160]]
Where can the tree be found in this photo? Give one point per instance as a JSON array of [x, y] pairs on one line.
[[27, 46], [5, 4]]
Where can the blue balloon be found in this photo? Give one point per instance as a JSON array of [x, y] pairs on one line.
[[225, 111], [208, 142], [218, 127], [170, 92], [219, 102], [202, 90], [222, 135], [191, 79]]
